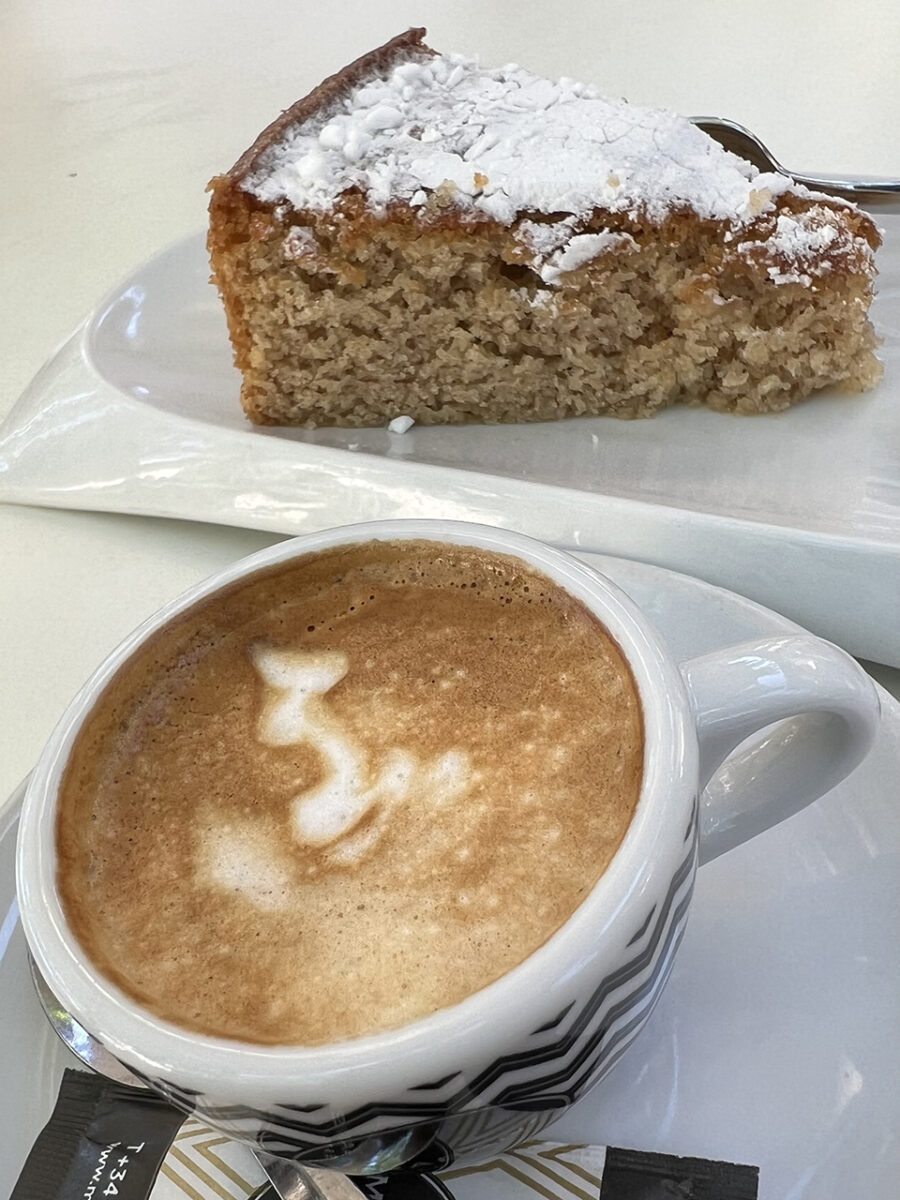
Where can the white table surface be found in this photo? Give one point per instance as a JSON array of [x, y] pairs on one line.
[[114, 116]]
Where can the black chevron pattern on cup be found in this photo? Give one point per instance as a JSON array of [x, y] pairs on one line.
[[545, 1028], [593, 1047], [636, 937], [570, 1053], [617, 1042], [437, 1085]]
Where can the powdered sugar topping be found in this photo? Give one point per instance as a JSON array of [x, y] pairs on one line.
[[582, 248], [798, 246], [504, 142]]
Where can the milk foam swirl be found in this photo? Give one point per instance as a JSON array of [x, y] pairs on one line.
[[330, 815]]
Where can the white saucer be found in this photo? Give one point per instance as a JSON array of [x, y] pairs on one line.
[[139, 413], [777, 1042]]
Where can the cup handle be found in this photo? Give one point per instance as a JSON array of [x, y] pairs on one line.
[[828, 713]]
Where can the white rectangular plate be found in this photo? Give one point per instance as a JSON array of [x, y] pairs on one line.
[[138, 412]]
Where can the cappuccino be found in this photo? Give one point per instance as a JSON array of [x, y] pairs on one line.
[[347, 791]]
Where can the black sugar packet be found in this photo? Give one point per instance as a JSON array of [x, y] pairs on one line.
[[105, 1139]]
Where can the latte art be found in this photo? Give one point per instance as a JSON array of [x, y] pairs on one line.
[[347, 791], [349, 810]]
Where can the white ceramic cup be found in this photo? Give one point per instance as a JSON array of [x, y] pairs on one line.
[[476, 1078]]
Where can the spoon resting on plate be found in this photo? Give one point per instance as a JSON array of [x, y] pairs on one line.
[[287, 1180]]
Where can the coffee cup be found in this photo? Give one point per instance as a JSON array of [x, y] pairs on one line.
[[465, 765]]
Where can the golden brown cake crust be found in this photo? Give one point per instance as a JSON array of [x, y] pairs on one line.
[[375, 62]]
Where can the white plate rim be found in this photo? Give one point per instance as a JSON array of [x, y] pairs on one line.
[[75, 440]]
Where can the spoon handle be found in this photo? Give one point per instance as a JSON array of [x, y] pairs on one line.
[[294, 1182], [862, 189], [740, 141]]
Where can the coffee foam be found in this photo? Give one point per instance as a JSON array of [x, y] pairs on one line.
[[347, 791]]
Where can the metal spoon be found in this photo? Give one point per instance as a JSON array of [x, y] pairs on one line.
[[289, 1180], [744, 144]]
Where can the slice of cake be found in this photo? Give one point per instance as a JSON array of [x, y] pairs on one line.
[[427, 237]]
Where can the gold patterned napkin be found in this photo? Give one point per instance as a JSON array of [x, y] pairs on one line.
[[204, 1165]]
